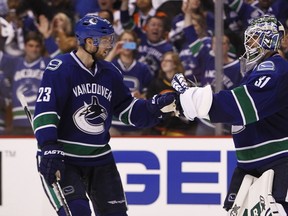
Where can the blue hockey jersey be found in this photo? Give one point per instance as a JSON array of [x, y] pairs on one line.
[[137, 78], [75, 106], [26, 80], [258, 110], [231, 76], [189, 54], [151, 53]]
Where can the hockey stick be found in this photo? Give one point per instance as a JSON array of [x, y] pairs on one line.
[[56, 186]]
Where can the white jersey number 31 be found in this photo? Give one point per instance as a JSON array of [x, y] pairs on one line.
[[262, 81]]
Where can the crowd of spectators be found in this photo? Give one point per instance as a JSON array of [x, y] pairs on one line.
[[152, 44]]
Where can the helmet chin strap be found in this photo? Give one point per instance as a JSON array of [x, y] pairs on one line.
[[93, 54]]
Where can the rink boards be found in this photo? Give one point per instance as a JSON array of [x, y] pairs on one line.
[[161, 176]]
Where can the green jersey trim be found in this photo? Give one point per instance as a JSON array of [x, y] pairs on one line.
[[235, 5], [245, 104], [84, 150], [126, 114], [262, 151], [45, 120], [195, 47]]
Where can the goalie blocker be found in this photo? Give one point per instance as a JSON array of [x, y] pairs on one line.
[[262, 192]]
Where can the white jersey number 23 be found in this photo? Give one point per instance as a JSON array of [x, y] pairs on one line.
[[44, 94]]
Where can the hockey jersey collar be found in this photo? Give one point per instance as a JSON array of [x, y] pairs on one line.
[[156, 44], [123, 67], [79, 62], [32, 64]]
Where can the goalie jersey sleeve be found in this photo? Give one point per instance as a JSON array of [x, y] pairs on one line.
[[75, 107], [258, 111]]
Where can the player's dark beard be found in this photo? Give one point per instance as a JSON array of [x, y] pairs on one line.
[[93, 54], [102, 54]]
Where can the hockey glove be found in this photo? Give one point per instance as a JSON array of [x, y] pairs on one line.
[[179, 83], [195, 101], [52, 160], [163, 104]]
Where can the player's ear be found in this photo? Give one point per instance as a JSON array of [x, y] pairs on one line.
[[89, 41]]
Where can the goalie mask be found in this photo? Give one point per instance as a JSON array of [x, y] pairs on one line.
[[263, 34]]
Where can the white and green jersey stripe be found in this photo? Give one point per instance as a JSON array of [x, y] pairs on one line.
[[245, 105], [75, 107], [258, 109]]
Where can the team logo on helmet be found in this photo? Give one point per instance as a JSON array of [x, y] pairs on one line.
[[93, 21], [92, 26], [90, 117]]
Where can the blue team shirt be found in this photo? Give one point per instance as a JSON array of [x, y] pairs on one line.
[[137, 78], [26, 79], [190, 49], [258, 111], [75, 106], [231, 76]]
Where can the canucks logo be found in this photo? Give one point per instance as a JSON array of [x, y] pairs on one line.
[[90, 117]]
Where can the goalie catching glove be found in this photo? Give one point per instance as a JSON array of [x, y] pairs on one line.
[[52, 162], [195, 101]]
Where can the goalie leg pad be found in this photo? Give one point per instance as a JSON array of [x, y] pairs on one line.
[[241, 202], [235, 183], [282, 208], [255, 197], [280, 183]]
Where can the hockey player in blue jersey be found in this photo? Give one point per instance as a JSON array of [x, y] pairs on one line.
[[79, 94], [25, 79], [257, 109]]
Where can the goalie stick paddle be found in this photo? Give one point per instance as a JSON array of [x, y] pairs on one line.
[[56, 186]]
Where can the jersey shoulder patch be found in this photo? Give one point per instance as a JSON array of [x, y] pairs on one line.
[[266, 65], [54, 64]]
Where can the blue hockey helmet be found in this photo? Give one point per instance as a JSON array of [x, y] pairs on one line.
[[92, 26]]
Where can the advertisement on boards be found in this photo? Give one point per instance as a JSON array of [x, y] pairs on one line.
[[161, 176]]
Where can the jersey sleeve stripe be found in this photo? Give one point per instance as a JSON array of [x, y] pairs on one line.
[[262, 151], [46, 126], [47, 119], [125, 114], [245, 104], [236, 5], [195, 47]]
